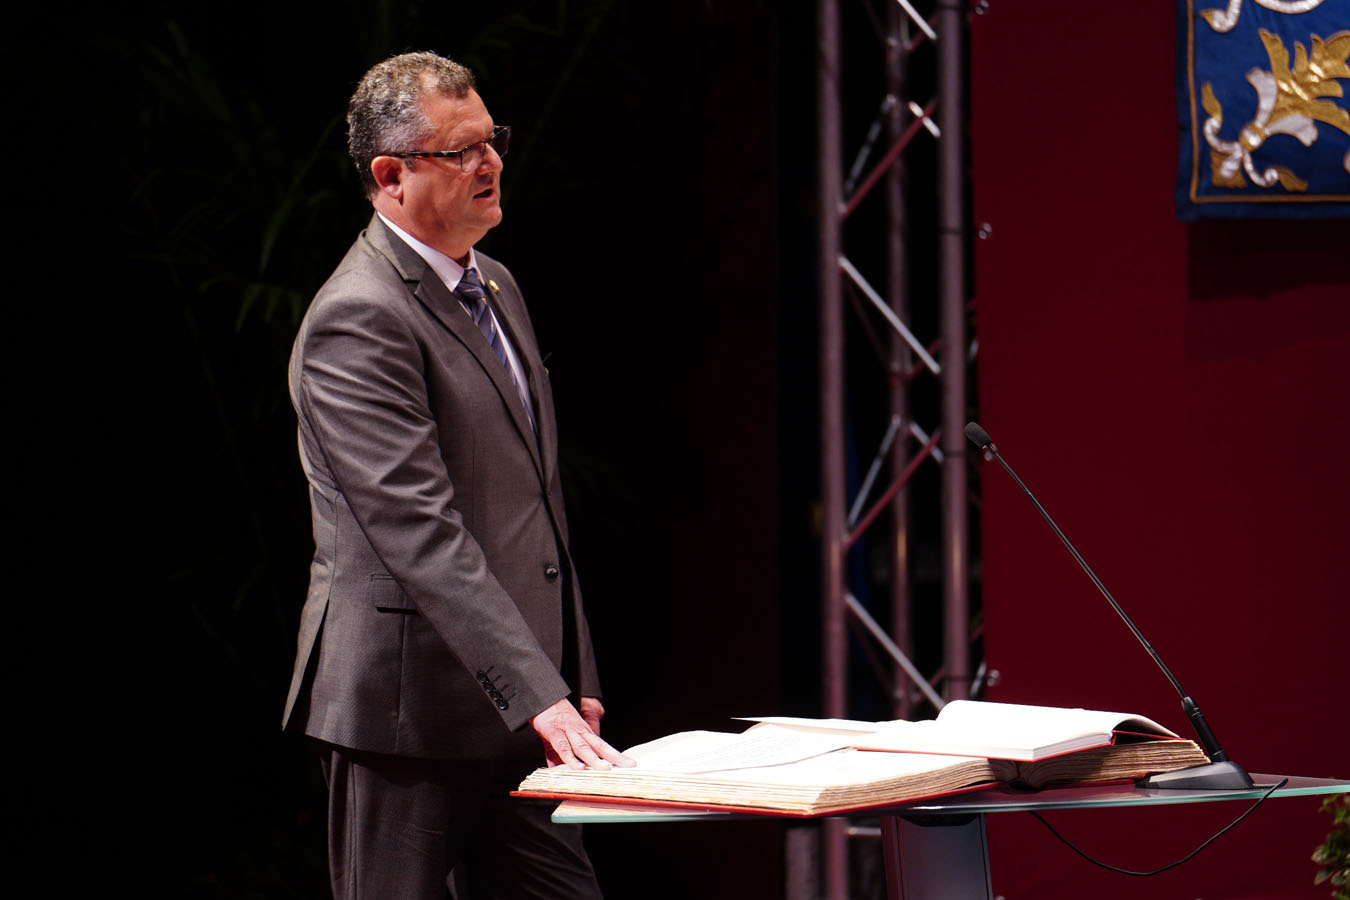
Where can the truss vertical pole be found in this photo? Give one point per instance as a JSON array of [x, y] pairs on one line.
[[951, 26], [834, 850], [898, 364]]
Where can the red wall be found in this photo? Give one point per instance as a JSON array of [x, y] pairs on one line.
[[1176, 395]]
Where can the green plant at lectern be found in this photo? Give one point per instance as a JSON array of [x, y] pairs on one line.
[[1334, 854]]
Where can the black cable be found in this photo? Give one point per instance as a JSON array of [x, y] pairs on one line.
[[1172, 865]]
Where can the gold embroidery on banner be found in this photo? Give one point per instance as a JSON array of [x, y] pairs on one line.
[[1288, 100]]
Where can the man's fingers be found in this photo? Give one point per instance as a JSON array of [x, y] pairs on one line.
[[558, 748], [582, 747], [570, 739], [563, 746], [588, 750], [567, 757], [608, 753]]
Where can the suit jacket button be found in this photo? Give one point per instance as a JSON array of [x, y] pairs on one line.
[[550, 572], [503, 705], [482, 678]]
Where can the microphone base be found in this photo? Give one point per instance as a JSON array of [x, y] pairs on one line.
[[1219, 776]]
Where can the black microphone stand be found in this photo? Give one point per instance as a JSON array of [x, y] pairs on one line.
[[1221, 773]]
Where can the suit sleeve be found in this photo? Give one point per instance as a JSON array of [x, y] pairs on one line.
[[363, 396]]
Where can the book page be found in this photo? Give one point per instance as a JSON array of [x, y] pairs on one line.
[[1006, 731], [762, 745], [1042, 720], [857, 767]]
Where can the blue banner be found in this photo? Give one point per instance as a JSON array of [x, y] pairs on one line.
[[1265, 124]]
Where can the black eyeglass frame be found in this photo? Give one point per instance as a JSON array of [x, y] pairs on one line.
[[500, 142]]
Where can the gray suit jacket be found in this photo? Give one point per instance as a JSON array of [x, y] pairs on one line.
[[442, 592]]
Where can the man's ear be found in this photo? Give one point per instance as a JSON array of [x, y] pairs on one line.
[[388, 172]]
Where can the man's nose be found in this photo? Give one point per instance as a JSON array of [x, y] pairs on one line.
[[491, 161]]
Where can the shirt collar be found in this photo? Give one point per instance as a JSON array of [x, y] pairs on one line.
[[446, 268]]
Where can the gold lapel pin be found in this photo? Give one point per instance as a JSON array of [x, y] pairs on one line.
[[492, 284]]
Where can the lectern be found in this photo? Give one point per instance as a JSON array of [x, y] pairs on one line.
[[937, 849]]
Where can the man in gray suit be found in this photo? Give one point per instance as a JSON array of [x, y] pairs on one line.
[[443, 614]]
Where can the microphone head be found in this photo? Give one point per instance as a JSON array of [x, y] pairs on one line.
[[978, 436]]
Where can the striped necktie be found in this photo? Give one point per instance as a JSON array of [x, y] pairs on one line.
[[474, 298]]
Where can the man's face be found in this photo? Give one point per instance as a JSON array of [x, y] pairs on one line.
[[440, 205]]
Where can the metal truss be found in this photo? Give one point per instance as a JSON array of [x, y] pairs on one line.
[[907, 444]]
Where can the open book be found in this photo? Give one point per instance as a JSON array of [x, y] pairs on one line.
[[812, 767]]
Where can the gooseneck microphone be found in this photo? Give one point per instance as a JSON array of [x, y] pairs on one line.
[[1221, 773]]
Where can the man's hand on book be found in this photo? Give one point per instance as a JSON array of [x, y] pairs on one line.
[[572, 738]]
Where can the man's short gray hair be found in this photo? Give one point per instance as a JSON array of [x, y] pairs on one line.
[[385, 114]]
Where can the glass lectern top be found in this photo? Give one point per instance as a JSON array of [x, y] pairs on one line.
[[987, 800]]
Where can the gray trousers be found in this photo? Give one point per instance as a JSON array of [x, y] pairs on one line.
[[415, 829]]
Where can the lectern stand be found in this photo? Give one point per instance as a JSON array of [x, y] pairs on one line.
[[937, 850], [943, 856]]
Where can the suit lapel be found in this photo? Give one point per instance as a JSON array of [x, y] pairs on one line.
[[514, 319], [437, 299]]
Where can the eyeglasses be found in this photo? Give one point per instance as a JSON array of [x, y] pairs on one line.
[[470, 157]]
